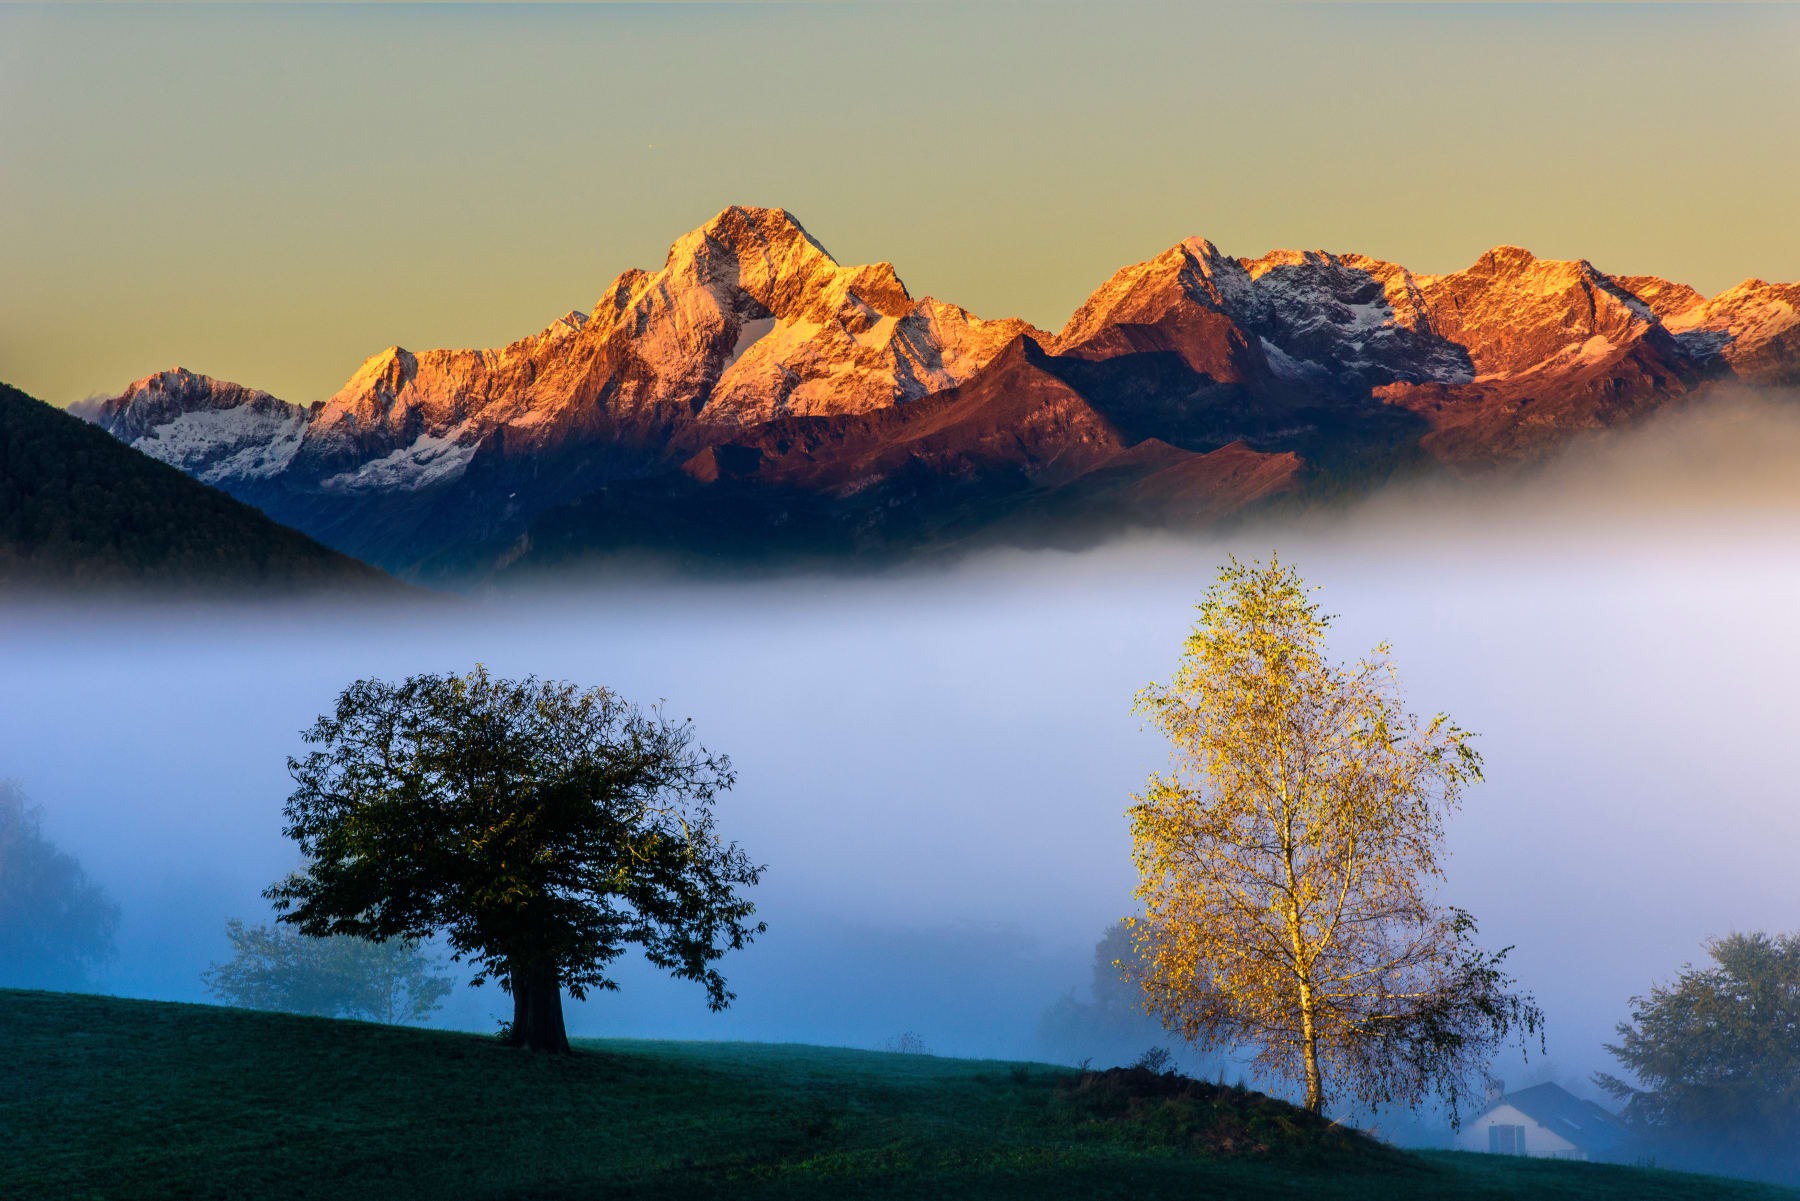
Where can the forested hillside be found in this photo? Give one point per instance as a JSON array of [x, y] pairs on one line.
[[78, 508]]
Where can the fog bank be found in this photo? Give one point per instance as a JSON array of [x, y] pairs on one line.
[[935, 764]]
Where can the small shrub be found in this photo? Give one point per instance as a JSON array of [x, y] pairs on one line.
[[1138, 1107], [1020, 1073], [904, 1043], [1157, 1060]]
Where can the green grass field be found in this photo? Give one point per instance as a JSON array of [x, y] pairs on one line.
[[103, 1098]]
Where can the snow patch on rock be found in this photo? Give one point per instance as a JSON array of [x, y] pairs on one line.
[[429, 460], [1286, 366], [749, 332], [218, 445]]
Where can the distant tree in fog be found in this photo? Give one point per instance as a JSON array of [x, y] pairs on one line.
[[1113, 1027], [56, 926], [1287, 859], [336, 976], [1716, 1056], [540, 828]]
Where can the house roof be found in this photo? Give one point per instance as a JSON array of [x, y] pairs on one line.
[[1555, 1108]]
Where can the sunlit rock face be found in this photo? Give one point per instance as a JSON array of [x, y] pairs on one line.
[[1514, 312], [1500, 361], [1190, 301], [753, 373], [1347, 319], [748, 320], [1754, 327]]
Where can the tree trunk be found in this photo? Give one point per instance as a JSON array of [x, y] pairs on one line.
[[1302, 965], [1309, 1038], [1309, 1011], [537, 1009]]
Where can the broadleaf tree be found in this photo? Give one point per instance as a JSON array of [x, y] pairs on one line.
[[57, 926], [1288, 860], [274, 967], [1111, 1028], [1715, 1056], [539, 828]]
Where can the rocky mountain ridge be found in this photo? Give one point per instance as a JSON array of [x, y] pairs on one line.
[[757, 386]]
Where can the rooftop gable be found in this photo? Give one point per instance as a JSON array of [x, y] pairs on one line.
[[1555, 1108]]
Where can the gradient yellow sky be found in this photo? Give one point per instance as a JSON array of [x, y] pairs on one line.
[[272, 193]]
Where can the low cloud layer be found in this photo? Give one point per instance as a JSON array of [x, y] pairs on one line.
[[935, 764]]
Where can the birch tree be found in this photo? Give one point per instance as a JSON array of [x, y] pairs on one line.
[[1290, 855]]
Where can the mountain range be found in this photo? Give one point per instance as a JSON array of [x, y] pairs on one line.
[[755, 396]]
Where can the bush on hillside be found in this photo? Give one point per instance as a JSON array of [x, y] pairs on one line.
[[1141, 1107]]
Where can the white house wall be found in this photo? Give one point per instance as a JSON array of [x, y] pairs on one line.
[[1538, 1140]]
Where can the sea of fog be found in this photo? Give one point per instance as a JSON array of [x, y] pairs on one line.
[[934, 764]]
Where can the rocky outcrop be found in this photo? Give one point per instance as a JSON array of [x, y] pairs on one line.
[[1349, 321], [1513, 312], [1754, 328], [1190, 301]]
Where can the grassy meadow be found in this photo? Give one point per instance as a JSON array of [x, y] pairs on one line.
[[109, 1098]]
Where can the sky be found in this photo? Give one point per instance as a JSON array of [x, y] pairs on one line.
[[272, 193]]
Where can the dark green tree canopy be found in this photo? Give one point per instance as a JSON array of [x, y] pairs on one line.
[[80, 508], [1716, 1056], [540, 828]]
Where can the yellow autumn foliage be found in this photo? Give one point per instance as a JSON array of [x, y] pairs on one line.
[[1288, 859]]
